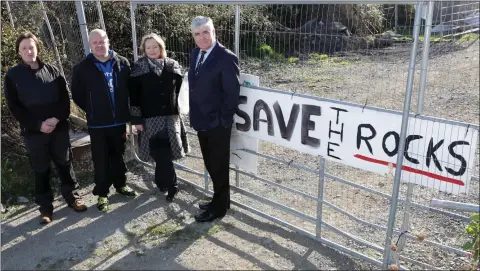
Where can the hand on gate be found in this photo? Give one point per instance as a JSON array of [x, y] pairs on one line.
[[139, 127]]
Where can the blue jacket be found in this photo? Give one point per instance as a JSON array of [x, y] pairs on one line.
[[215, 90]]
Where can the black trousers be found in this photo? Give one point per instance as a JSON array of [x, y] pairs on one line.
[[42, 150], [108, 149], [161, 152], [215, 146]]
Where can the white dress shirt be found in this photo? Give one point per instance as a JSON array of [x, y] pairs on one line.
[[206, 54]]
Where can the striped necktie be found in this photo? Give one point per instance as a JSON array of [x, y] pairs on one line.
[[200, 62]]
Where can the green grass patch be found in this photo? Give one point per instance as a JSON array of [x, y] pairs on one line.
[[469, 37], [292, 60]]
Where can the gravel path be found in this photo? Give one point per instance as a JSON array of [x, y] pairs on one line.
[[147, 233]]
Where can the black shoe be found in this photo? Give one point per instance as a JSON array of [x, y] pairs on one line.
[[163, 189], [171, 194], [207, 216], [204, 205]]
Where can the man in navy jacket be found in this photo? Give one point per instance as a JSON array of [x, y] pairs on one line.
[[214, 90], [100, 88]]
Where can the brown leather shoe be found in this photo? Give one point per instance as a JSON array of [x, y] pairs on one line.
[[45, 219], [78, 206]]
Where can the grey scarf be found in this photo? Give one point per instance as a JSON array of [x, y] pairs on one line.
[[145, 65]]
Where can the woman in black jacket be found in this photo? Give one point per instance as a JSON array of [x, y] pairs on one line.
[[155, 84], [37, 96]]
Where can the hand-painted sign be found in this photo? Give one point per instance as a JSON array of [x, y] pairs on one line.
[[438, 153]]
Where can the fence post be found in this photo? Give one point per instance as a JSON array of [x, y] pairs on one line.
[[396, 19], [421, 94], [321, 185], [237, 176], [441, 18], [9, 14], [403, 133], [82, 22], [52, 37], [237, 31], [100, 15], [133, 7]]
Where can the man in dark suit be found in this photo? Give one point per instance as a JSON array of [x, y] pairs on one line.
[[214, 90]]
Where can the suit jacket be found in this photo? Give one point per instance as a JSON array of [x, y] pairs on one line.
[[215, 90]]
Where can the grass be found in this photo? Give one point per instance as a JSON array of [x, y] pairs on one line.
[[463, 38], [162, 230], [103, 251], [17, 178], [469, 37], [176, 233], [422, 38]]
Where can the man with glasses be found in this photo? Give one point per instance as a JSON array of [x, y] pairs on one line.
[[214, 81]]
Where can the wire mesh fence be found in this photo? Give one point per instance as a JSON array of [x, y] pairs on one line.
[[360, 54]]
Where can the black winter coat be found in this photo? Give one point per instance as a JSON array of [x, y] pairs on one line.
[[156, 95]]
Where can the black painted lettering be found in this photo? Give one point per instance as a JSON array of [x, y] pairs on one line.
[[308, 125], [396, 137], [330, 149], [431, 153], [244, 127], [330, 131], [360, 137], [338, 112], [409, 139], [286, 131], [261, 105], [463, 162]]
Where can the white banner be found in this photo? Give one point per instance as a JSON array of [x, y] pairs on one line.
[[244, 160], [438, 155]]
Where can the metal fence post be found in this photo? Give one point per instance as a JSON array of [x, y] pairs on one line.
[[9, 14], [52, 37], [100, 15], [321, 185], [403, 133], [237, 177], [237, 31], [421, 94], [133, 6], [237, 52], [82, 22], [396, 19]]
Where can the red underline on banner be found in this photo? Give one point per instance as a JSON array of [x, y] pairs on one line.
[[410, 169]]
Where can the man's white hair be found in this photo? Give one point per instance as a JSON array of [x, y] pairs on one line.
[[201, 21], [100, 32]]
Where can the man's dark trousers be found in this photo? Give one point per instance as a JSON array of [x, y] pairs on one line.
[[215, 146], [42, 150], [108, 149]]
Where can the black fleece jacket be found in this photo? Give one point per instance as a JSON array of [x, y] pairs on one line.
[[33, 96]]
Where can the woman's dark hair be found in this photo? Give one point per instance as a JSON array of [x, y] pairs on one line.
[[27, 35]]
